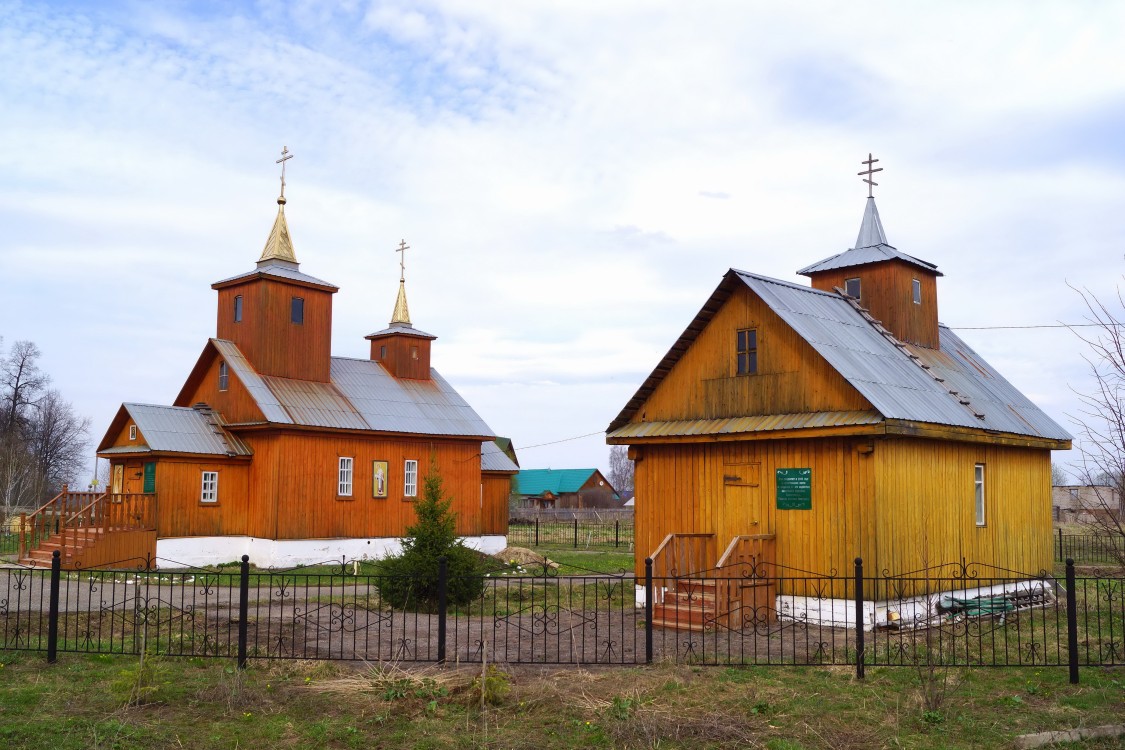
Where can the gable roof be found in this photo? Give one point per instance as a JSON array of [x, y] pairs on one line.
[[952, 386], [173, 429], [493, 458], [362, 395], [555, 481]]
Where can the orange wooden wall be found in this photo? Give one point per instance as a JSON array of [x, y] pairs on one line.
[[235, 404], [887, 290], [407, 356], [495, 490], [792, 377], [273, 344]]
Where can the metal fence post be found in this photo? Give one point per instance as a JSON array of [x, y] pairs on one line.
[[616, 534], [53, 609], [1071, 622], [860, 647], [243, 608], [1060, 557], [648, 610], [576, 533], [443, 581], [537, 531]]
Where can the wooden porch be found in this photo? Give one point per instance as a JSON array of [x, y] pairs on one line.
[[91, 529], [691, 593]]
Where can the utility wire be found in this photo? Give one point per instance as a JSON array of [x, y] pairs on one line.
[[1051, 325], [564, 440]]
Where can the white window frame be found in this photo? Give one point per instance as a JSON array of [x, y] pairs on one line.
[[209, 487], [916, 290], [345, 477], [979, 493], [224, 376], [132, 432], [410, 478]]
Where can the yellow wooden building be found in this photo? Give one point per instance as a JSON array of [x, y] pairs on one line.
[[276, 449], [808, 426]]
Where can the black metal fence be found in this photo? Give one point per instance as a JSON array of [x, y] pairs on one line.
[[956, 615], [576, 533], [1089, 548]]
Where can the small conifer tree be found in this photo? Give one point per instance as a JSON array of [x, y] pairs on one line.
[[410, 579]]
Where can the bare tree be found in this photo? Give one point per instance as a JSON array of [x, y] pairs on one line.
[[1101, 421], [621, 471], [1059, 476]]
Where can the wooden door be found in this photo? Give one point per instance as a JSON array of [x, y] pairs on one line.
[[134, 477], [745, 510]]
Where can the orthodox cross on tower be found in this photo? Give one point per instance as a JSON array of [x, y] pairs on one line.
[[285, 156], [870, 172], [402, 248]]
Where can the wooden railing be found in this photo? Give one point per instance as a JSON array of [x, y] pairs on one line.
[[74, 516], [683, 555], [746, 581]]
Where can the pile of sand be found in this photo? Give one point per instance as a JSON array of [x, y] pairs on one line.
[[524, 556]]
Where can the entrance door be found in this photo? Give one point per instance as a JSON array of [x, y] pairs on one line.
[[745, 511], [747, 580]]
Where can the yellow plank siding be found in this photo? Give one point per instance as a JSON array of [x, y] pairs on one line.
[[792, 377]]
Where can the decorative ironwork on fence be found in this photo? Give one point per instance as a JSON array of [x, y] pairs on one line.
[[746, 612]]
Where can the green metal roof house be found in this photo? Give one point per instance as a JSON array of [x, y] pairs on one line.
[[565, 488]]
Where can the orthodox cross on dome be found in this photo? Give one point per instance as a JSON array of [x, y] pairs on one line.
[[402, 248], [870, 172], [285, 156]]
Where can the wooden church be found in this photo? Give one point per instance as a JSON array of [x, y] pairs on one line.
[[807, 426], [276, 449]]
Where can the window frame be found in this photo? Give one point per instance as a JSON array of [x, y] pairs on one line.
[[224, 375], [916, 290], [132, 432], [209, 495], [746, 351], [238, 308], [858, 287], [979, 494], [345, 476], [297, 310], [410, 478]]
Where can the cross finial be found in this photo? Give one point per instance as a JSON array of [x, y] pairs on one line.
[[869, 172], [402, 248], [285, 156]]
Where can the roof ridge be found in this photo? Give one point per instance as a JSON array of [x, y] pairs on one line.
[[911, 356], [782, 282]]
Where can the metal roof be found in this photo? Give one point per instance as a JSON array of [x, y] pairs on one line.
[[871, 246], [555, 481], [494, 459], [403, 329], [278, 269], [741, 425], [178, 429], [269, 404], [955, 386]]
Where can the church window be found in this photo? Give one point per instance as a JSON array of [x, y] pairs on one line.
[[414, 352], [746, 351], [978, 492], [224, 376], [917, 292], [851, 287], [383, 352], [238, 309], [210, 490], [297, 310], [132, 432], [410, 483], [345, 477]]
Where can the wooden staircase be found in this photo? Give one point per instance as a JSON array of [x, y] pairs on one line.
[[688, 604], [90, 529]]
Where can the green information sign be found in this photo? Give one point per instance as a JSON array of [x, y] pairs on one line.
[[794, 489]]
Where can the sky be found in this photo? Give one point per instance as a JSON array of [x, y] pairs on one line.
[[573, 178]]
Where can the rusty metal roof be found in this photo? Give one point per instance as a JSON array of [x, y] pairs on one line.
[[179, 429], [739, 425], [953, 389]]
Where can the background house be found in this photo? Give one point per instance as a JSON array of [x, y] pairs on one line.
[[564, 488], [1084, 502]]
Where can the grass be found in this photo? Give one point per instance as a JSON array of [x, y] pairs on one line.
[[79, 703]]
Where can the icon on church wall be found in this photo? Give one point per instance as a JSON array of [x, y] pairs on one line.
[[379, 479]]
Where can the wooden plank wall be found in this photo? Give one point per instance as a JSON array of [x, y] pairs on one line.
[[407, 356], [235, 403], [273, 344], [178, 488], [926, 506], [792, 377], [121, 549], [886, 289], [495, 490]]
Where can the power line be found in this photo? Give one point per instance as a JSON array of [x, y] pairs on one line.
[[1051, 325], [564, 440]]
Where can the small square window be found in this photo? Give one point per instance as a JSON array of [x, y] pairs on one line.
[[978, 491], [917, 292], [132, 432], [238, 309], [210, 490], [851, 287], [746, 351], [224, 376], [344, 487], [410, 483], [297, 310]]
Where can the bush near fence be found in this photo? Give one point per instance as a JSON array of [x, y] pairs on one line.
[[531, 616]]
